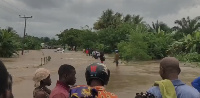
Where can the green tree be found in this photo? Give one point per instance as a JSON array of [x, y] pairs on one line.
[[135, 19], [110, 37], [108, 19], [88, 39], [159, 26], [53, 42], [187, 48], [135, 48], [46, 39], [8, 42], [158, 44], [187, 26], [188, 44], [32, 43], [117, 20], [105, 20], [127, 18], [70, 37]]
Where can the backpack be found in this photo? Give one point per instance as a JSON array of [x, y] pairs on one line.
[[83, 91]]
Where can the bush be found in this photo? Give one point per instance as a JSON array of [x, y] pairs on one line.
[[8, 43], [158, 44], [189, 57], [136, 48], [110, 37], [32, 43]]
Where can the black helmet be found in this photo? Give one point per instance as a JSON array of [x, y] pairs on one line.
[[97, 71]]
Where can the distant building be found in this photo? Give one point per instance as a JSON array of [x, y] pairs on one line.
[[42, 45]]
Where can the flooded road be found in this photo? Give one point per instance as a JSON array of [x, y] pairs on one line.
[[125, 81]]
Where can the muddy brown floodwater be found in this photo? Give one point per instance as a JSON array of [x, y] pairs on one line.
[[125, 81]]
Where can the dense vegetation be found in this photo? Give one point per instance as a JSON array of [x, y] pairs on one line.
[[11, 42], [135, 39]]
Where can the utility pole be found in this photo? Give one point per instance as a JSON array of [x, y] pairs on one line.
[[25, 18]]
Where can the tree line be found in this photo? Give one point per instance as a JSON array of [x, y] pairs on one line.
[[11, 42], [137, 40], [130, 34]]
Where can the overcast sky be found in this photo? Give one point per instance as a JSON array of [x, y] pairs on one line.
[[52, 16]]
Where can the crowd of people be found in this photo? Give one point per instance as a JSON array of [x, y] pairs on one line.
[[96, 54], [97, 76]]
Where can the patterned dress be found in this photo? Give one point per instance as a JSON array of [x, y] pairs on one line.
[[102, 93], [82, 91]]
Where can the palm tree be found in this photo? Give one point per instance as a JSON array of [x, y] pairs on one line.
[[187, 25], [117, 20], [127, 18], [105, 20], [159, 26], [188, 44], [135, 19], [8, 44]]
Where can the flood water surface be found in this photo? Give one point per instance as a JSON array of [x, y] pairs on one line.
[[125, 80]]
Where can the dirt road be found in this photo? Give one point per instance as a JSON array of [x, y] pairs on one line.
[[125, 81]]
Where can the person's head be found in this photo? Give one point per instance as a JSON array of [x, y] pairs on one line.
[[97, 74], [5, 90], [101, 54], [67, 74], [116, 51], [42, 77], [169, 68]]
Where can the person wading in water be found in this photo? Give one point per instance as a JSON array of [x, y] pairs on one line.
[[102, 58], [116, 58]]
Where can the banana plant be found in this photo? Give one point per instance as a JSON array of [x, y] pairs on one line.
[[189, 43]]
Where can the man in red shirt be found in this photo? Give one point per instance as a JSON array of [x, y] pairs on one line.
[[66, 77]]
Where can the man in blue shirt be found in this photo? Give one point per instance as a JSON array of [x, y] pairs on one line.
[[169, 69], [196, 83]]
